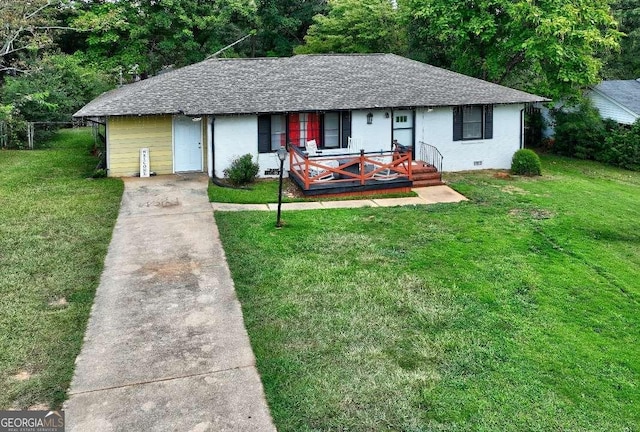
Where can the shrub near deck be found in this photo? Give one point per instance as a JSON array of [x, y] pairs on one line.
[[55, 227], [515, 311]]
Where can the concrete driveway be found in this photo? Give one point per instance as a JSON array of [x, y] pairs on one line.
[[166, 348]]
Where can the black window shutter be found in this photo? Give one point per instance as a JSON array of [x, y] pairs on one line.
[[346, 128], [488, 121], [457, 123], [264, 133]]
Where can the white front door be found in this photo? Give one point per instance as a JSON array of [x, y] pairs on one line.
[[187, 144], [403, 127]]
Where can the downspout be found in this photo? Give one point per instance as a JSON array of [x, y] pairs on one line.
[[391, 127], [107, 150], [210, 155], [522, 127], [413, 134]]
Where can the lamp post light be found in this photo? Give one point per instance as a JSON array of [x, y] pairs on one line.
[[282, 155]]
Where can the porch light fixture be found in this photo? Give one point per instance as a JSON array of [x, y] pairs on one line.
[[282, 155], [370, 118]]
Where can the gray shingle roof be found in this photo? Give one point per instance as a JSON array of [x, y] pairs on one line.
[[625, 92], [300, 83]]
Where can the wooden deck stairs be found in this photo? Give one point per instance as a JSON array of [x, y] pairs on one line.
[[425, 175], [426, 168]]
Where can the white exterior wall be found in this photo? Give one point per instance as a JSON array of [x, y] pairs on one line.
[[375, 136], [234, 136], [238, 135], [436, 128], [611, 110]]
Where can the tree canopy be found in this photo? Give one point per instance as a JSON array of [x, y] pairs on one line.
[[550, 47], [355, 26], [626, 63], [150, 35], [58, 87], [284, 23], [26, 28]]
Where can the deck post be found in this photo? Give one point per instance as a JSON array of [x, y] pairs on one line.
[[410, 166], [362, 170], [307, 182], [290, 150]]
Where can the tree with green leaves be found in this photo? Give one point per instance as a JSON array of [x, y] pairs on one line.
[[626, 63], [146, 36], [26, 27], [283, 24], [54, 89], [550, 47], [354, 26]]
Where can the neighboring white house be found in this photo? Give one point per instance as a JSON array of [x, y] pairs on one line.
[[198, 118], [618, 100]]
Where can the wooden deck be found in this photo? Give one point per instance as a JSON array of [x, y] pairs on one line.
[[337, 172]]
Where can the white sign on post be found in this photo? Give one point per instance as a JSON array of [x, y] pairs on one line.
[[144, 162]]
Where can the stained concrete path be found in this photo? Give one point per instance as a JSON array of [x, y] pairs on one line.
[[426, 195], [166, 348]]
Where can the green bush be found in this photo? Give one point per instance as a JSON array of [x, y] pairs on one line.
[[242, 170], [623, 147], [526, 162], [579, 131]]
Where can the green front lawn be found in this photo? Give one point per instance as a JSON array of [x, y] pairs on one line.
[[266, 192], [55, 227], [259, 192], [518, 310]]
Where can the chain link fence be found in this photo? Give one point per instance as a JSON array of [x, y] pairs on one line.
[[32, 135]]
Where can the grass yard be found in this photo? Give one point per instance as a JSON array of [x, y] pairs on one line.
[[260, 192], [266, 191], [518, 310], [55, 227]]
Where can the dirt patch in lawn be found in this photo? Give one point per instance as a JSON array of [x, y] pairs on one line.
[[22, 376], [514, 190], [59, 303], [537, 214]]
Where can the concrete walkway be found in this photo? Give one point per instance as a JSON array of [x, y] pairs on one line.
[[166, 348], [426, 195]]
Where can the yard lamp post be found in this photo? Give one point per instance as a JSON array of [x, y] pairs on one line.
[[282, 155]]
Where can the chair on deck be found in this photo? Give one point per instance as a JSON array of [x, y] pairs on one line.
[[354, 144], [384, 174], [322, 172]]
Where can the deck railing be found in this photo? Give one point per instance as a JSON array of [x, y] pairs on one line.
[[432, 156], [348, 167]]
